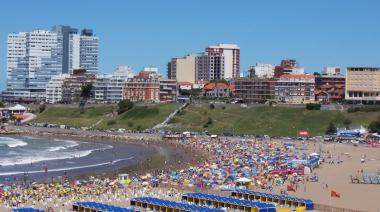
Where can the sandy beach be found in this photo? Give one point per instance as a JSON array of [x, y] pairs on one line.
[[362, 197], [174, 155]]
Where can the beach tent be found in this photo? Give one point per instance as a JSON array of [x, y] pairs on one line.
[[156, 204], [26, 210], [230, 202], [276, 198], [95, 206]]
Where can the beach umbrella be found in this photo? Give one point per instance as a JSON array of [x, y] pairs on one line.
[[6, 188]]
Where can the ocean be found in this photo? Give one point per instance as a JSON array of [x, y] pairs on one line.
[[38, 157]]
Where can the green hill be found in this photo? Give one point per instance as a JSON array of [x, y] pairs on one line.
[[104, 116], [264, 119], [259, 120]]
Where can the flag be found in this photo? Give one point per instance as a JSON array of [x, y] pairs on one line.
[[335, 194], [290, 188]]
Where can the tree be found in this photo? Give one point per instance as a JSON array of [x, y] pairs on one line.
[[331, 129], [124, 105], [347, 123], [316, 74], [86, 90], [81, 106], [1, 104], [42, 108], [374, 126]]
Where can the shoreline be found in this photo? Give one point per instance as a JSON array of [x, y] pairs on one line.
[[168, 154]]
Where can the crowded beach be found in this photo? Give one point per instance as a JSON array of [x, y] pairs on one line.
[[290, 167]]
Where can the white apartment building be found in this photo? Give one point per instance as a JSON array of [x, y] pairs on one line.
[[231, 54], [261, 70], [54, 89], [109, 87], [33, 58], [83, 51]]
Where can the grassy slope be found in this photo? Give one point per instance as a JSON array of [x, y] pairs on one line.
[[143, 116], [72, 116], [266, 120]]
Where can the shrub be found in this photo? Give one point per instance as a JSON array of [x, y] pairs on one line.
[[363, 109], [124, 105], [130, 124], [223, 107], [111, 122], [331, 129], [209, 121], [42, 108], [139, 128], [313, 106], [212, 106], [347, 123]]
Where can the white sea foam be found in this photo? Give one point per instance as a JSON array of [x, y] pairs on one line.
[[12, 142], [56, 148], [47, 156], [67, 168], [19, 160]]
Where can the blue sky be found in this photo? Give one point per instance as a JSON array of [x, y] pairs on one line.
[[150, 32]]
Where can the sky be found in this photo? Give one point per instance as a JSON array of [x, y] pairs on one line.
[[150, 32]]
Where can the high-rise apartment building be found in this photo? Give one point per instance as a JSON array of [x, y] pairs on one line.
[[88, 47], [218, 62], [363, 85], [231, 54], [33, 58], [182, 69], [209, 66], [79, 51]]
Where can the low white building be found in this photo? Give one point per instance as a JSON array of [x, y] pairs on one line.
[[54, 89], [295, 88], [261, 70], [109, 87]]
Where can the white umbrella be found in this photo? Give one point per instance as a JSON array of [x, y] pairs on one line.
[[243, 180]]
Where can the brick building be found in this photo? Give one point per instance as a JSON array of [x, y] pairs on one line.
[[143, 88], [254, 90]]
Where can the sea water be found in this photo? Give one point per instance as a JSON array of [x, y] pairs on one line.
[[24, 155]]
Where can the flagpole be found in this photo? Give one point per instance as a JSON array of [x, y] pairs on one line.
[[332, 208]]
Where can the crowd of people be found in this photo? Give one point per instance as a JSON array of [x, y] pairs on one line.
[[233, 162]]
